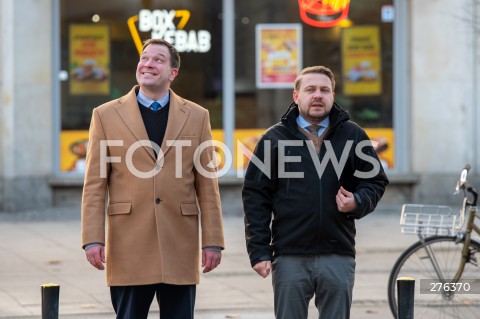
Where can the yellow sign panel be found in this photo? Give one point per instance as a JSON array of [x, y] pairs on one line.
[[73, 147], [361, 69], [89, 59]]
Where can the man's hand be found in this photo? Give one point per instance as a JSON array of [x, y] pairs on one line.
[[263, 268], [345, 201], [96, 256], [210, 259]]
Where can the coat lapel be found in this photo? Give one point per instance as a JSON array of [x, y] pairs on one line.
[[130, 114], [177, 117]]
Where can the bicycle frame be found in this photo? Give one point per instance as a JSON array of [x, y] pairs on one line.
[[473, 212], [446, 251], [466, 234]]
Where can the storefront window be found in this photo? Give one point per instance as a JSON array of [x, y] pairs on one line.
[[99, 55], [359, 50]]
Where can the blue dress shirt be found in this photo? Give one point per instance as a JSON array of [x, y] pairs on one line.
[[146, 101], [303, 124]]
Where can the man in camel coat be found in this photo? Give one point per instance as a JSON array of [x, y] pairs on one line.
[[149, 185]]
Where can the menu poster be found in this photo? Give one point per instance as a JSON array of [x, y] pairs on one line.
[[361, 69], [89, 64], [278, 54]]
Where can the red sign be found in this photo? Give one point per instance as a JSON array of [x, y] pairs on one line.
[[323, 13]]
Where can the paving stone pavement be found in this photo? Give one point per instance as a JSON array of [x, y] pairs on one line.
[[43, 246]]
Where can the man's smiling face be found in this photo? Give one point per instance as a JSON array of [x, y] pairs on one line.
[[154, 70]]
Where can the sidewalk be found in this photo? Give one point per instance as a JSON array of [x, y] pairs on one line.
[[40, 247]]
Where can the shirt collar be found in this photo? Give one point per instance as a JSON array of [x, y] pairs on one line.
[[303, 123], [146, 101]]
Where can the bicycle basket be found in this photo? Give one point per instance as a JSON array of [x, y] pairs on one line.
[[428, 220]]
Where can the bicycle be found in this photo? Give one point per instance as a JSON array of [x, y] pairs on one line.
[[444, 259]]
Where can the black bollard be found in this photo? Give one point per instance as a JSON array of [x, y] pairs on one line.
[[405, 297], [50, 301]]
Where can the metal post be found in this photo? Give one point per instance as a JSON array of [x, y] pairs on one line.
[[405, 297], [228, 75], [50, 301]]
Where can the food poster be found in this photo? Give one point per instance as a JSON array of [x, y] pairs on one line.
[[89, 59], [361, 58], [279, 54], [383, 140], [73, 151]]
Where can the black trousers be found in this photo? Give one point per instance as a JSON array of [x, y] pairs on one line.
[[133, 302]]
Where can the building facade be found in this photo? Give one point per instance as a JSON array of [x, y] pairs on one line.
[[407, 71]]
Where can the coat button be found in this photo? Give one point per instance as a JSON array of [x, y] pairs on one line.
[[158, 200]]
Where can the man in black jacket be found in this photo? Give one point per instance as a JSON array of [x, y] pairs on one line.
[[310, 177]]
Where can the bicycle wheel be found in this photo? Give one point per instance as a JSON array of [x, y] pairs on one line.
[[414, 262]]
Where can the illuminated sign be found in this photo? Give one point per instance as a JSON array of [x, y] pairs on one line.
[[168, 25], [323, 13]]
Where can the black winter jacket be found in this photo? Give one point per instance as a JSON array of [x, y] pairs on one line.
[[306, 220]]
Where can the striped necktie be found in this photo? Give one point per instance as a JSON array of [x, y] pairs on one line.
[[313, 129]]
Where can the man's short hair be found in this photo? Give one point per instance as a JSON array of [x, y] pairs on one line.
[[315, 69], [174, 56]]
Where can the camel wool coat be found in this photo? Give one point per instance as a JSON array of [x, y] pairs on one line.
[[148, 213]]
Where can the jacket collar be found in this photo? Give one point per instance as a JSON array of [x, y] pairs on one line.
[[178, 113], [337, 115]]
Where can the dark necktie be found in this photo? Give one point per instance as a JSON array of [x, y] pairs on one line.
[[155, 106], [313, 129]]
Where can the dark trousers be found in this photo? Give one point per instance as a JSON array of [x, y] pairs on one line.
[[133, 302], [296, 279]]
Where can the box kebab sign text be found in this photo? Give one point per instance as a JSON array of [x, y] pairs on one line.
[[168, 25]]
